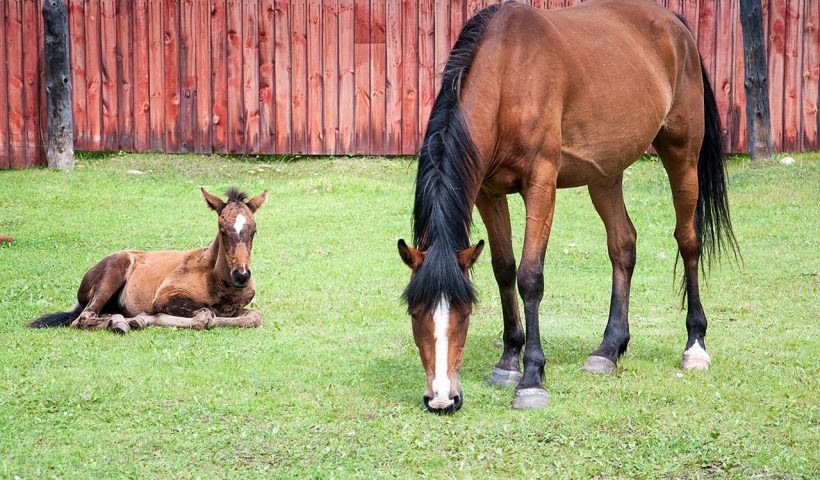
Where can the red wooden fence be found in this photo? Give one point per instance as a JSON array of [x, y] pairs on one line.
[[322, 76]]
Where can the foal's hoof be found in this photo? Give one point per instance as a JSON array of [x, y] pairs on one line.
[[695, 358], [504, 378], [597, 364], [203, 318], [137, 323], [530, 398], [119, 324]]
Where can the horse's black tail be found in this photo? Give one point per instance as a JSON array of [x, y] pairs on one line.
[[712, 221], [56, 319]]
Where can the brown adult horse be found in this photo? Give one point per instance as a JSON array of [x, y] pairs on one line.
[[200, 288], [537, 100]]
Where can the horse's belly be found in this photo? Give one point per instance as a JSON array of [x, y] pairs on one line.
[[147, 273]]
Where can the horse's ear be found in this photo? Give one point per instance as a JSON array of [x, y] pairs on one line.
[[468, 256], [257, 201], [410, 256], [213, 201]]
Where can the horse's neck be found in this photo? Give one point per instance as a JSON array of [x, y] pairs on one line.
[[216, 256]]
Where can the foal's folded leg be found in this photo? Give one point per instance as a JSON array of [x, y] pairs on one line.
[[201, 319], [249, 319]]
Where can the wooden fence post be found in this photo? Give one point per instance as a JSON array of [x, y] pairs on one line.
[[58, 86], [758, 130]]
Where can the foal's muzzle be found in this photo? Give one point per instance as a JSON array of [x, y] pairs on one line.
[[241, 277]]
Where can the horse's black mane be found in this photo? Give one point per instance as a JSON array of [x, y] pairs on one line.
[[236, 195], [447, 175]]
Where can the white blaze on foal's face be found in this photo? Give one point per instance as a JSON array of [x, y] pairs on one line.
[[240, 223]]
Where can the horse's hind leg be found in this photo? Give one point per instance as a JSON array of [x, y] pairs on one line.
[[608, 199], [495, 213], [679, 154], [98, 287]]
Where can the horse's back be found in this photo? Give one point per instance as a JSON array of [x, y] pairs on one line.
[[596, 81]]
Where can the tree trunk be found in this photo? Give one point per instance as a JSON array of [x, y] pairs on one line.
[[58, 86], [759, 133]]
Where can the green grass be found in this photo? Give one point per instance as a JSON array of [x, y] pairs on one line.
[[330, 386]]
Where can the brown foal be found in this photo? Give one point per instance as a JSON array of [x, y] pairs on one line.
[[201, 288], [532, 101]]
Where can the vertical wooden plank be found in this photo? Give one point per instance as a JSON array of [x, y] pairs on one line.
[[76, 22], [378, 77], [793, 79], [707, 35], [171, 80], [17, 125], [250, 68], [41, 90], [187, 72], [93, 74], [361, 53], [267, 125], [394, 78], [458, 10], [441, 33], [811, 75], [156, 66], [219, 75], [330, 44], [31, 76], [347, 87], [108, 75], [410, 106], [722, 80], [690, 13], [737, 125], [315, 90], [427, 62], [551, 4], [141, 95], [125, 74], [236, 105], [299, 76], [473, 6], [777, 54], [281, 66], [5, 151], [202, 58]]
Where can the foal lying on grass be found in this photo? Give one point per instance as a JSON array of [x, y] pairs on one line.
[[201, 288]]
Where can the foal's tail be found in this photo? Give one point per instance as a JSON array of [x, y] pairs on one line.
[[57, 319], [712, 221]]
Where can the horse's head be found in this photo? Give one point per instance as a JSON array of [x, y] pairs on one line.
[[236, 230], [440, 323]]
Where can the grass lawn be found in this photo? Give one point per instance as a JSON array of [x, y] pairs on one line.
[[331, 385]]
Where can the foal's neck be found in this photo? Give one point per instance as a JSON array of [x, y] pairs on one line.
[[218, 262]]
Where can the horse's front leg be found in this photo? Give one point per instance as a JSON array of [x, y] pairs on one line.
[[201, 319], [248, 319], [539, 201], [495, 213]]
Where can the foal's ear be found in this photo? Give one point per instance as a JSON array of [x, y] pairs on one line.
[[410, 256], [213, 201], [468, 256], [257, 201]]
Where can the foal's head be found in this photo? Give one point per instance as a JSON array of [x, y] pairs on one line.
[[236, 229], [440, 320]]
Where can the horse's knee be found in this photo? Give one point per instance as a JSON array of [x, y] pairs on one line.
[[504, 271], [622, 252], [531, 282]]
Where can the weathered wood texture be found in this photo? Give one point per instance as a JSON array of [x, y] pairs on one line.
[[58, 85], [324, 77], [755, 82]]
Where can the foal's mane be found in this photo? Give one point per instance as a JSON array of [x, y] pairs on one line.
[[236, 195], [447, 176]]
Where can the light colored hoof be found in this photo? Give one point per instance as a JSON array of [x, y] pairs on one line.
[[530, 398], [596, 364], [504, 378], [695, 358], [137, 323], [203, 318], [255, 318], [119, 324]]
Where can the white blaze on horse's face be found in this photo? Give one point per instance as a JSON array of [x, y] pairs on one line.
[[441, 382], [240, 223]]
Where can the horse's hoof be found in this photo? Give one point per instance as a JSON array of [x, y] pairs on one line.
[[119, 324], [504, 378], [203, 318], [530, 398], [137, 323], [695, 358], [598, 364]]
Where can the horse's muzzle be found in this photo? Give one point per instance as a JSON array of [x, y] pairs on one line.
[[443, 406], [241, 278]]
